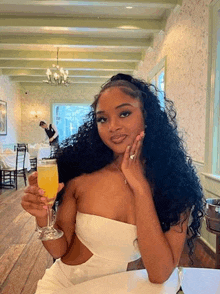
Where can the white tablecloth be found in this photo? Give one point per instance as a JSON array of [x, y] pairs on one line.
[[33, 151], [201, 281], [40, 151], [195, 281], [43, 152], [132, 282], [8, 160]]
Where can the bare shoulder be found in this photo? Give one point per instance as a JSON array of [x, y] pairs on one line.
[[70, 187], [85, 181], [75, 186]]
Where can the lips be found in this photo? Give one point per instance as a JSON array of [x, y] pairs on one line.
[[117, 139]]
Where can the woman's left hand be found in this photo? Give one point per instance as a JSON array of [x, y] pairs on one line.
[[131, 166]]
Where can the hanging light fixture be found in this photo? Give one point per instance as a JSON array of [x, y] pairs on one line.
[[56, 75]]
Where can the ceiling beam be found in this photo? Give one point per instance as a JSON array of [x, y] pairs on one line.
[[66, 65], [149, 3], [18, 54], [75, 22], [73, 83], [79, 72], [71, 78], [73, 48], [59, 40]]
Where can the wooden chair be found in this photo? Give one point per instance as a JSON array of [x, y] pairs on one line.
[[21, 145], [9, 176], [33, 162], [33, 159]]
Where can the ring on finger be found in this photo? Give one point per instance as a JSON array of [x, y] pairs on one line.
[[132, 156]]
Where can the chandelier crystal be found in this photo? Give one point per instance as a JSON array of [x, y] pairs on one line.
[[56, 75]]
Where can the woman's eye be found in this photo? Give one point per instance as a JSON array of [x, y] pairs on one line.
[[100, 119], [125, 113]]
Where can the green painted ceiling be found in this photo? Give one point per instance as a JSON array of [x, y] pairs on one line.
[[96, 39]]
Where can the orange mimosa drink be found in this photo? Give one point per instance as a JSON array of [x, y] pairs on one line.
[[48, 179]]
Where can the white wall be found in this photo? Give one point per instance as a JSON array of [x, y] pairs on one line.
[[10, 93], [184, 43], [40, 98]]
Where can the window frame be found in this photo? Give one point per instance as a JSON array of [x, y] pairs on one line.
[[212, 110], [69, 103], [155, 72]]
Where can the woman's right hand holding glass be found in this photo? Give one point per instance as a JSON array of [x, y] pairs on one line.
[[33, 201]]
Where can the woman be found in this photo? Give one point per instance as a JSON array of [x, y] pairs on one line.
[[129, 191]]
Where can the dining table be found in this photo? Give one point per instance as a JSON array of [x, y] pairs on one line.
[[201, 281], [132, 282], [8, 160], [192, 281], [39, 150]]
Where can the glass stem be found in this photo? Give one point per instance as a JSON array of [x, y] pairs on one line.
[[49, 216]]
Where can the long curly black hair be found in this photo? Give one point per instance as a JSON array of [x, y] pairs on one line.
[[168, 168]]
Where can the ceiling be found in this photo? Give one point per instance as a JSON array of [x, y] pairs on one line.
[[95, 39]]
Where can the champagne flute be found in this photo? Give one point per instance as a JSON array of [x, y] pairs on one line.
[[48, 181]]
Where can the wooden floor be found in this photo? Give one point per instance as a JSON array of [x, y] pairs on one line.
[[23, 259]]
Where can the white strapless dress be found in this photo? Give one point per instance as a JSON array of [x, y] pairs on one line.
[[113, 244]]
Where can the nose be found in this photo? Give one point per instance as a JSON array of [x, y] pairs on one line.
[[114, 125]]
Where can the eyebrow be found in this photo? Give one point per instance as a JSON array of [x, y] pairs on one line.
[[119, 106]]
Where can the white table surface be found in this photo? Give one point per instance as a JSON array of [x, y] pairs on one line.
[[132, 282], [195, 281], [43, 152], [8, 160], [39, 151], [201, 281]]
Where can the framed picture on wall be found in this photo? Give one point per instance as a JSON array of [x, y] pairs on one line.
[[3, 118]]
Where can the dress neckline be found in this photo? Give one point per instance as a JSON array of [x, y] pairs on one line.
[[106, 218]]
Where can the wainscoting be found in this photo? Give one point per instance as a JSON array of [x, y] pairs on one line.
[[211, 187]]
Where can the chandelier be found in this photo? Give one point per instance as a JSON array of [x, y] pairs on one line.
[[56, 75]]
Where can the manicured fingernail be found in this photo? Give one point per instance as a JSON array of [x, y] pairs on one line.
[[128, 147]]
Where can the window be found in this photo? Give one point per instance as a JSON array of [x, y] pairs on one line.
[[211, 173], [157, 78], [68, 117], [212, 146], [216, 118]]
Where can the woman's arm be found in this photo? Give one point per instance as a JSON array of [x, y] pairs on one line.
[[34, 203], [160, 251]]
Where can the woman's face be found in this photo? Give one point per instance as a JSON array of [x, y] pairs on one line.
[[119, 119]]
